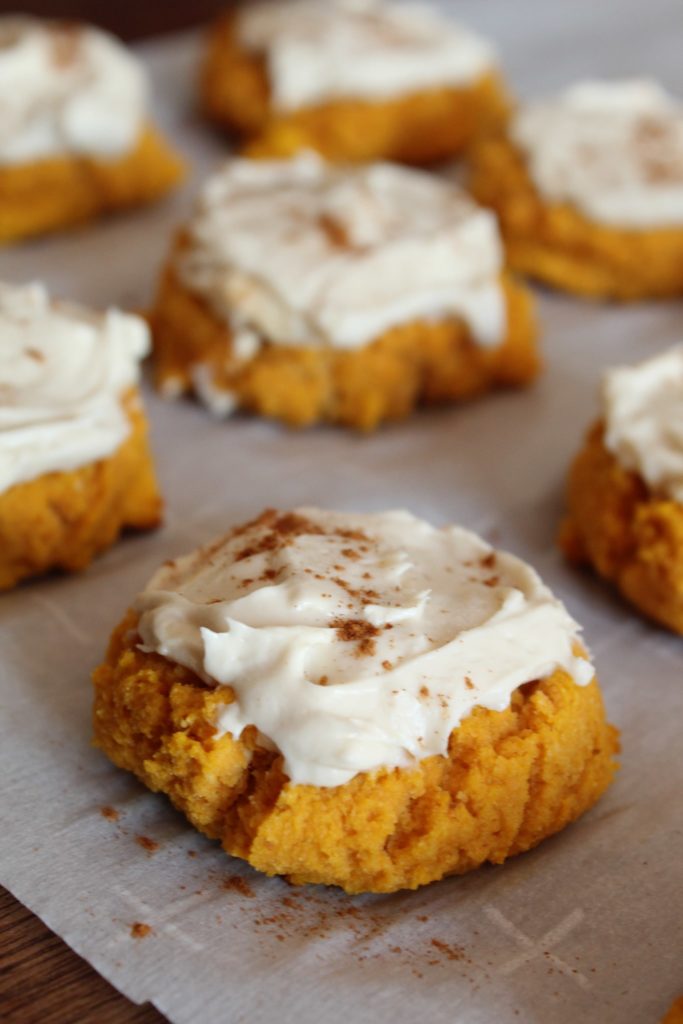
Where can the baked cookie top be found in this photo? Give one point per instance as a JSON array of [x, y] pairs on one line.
[[612, 149], [643, 413], [66, 89], [64, 371], [352, 642], [301, 253], [322, 50]]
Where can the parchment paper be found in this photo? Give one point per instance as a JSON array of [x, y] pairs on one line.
[[588, 927]]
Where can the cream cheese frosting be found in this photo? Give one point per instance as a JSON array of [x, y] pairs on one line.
[[63, 374], [66, 89], [323, 50], [643, 413], [614, 150], [354, 642], [299, 253]]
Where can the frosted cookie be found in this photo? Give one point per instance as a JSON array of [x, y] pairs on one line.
[[626, 488], [75, 466], [355, 80], [310, 293], [75, 139], [357, 700], [588, 187]]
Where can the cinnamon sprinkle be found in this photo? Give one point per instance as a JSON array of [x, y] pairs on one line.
[[65, 44], [150, 845], [359, 632], [235, 883], [334, 231]]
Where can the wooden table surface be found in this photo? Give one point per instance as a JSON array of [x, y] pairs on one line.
[[126, 19], [42, 981]]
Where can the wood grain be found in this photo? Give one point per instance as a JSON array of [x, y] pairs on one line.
[[42, 981]]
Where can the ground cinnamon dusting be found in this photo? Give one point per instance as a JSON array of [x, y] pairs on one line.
[[352, 535], [147, 844], [66, 43], [235, 883], [359, 632], [305, 912], [450, 952], [365, 595], [333, 231]]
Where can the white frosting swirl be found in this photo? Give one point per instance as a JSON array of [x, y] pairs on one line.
[[354, 642], [66, 89], [63, 373], [612, 149], [323, 50], [300, 253], [643, 412]]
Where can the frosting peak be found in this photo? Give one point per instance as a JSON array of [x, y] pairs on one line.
[[643, 409], [354, 642], [300, 253], [323, 50], [612, 149], [64, 371], [66, 89]]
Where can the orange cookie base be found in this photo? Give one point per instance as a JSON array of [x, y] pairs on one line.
[[559, 246], [416, 363], [418, 129], [62, 520], [675, 1014], [64, 191], [510, 779], [630, 537]]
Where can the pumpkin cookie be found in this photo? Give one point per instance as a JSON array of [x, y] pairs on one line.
[[588, 188], [310, 293], [625, 490], [355, 80], [357, 700], [75, 466], [75, 140]]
